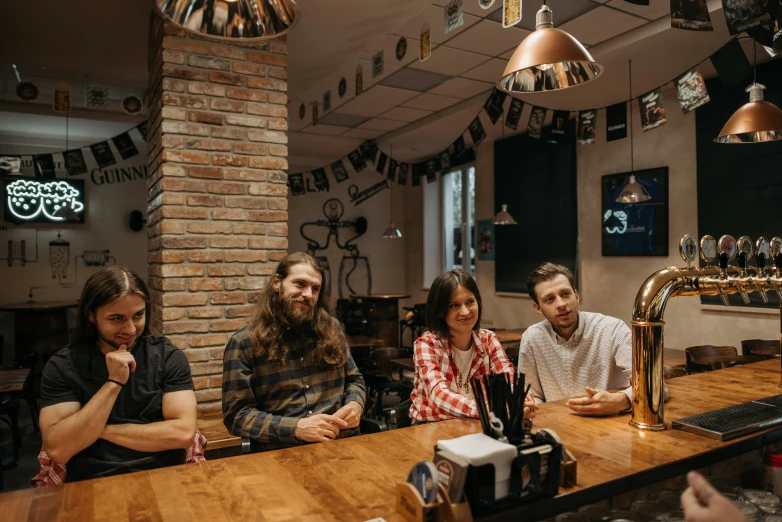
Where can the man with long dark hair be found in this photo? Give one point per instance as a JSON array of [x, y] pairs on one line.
[[288, 377], [116, 400]]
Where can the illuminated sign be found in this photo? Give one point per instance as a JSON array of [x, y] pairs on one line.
[[52, 201]]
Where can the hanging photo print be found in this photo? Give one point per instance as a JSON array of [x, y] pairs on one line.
[[587, 123], [368, 150], [302, 111], [457, 147], [404, 168], [476, 131], [511, 12], [690, 14], [493, 105], [431, 171], [296, 183], [132, 104], [514, 113], [357, 161], [314, 114], [44, 166], [125, 146], [535, 125], [419, 169], [392, 166], [343, 87], [558, 122], [742, 15], [326, 101], [103, 155], [62, 97], [652, 110], [485, 4], [454, 16], [359, 80], [445, 161], [401, 48], [426, 43], [638, 2], [691, 90], [321, 180], [765, 33], [377, 64], [74, 162], [380, 166], [339, 170], [731, 63], [142, 129], [616, 121]]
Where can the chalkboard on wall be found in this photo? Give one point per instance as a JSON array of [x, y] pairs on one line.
[[537, 180]]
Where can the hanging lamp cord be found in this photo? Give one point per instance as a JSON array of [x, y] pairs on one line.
[[632, 156]]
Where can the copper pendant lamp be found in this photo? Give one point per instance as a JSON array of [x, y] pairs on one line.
[[391, 232], [755, 122], [231, 19], [632, 192], [503, 217], [548, 60]]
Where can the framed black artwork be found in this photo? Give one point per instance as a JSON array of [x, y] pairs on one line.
[[635, 213]]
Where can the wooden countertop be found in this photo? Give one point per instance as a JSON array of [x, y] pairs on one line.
[[353, 479], [379, 296], [13, 380]]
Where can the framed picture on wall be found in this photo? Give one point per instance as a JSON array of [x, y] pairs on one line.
[[635, 213], [485, 242]]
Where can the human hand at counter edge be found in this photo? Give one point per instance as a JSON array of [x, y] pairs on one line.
[[350, 413], [319, 428], [701, 502], [599, 402], [530, 409]]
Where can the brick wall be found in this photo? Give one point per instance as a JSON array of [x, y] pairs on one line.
[[217, 189]]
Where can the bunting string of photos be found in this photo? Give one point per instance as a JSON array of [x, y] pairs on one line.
[[730, 61], [75, 161]]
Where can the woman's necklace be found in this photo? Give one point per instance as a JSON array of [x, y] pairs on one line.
[[463, 383]]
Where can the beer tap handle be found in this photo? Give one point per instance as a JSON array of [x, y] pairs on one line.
[[724, 274], [727, 251], [761, 247], [742, 260]]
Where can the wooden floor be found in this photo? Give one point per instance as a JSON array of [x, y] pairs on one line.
[[353, 479]]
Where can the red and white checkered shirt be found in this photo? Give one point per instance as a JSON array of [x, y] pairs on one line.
[[436, 394]]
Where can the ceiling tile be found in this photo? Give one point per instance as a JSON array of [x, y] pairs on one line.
[[388, 46], [453, 62], [436, 17], [381, 124], [326, 130], [415, 79], [366, 134], [461, 88], [405, 114], [431, 102], [564, 11], [376, 100], [388, 70], [487, 37], [656, 8], [342, 120], [490, 71], [601, 24], [507, 54]]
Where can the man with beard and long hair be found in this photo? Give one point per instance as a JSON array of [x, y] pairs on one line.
[[288, 376], [572, 354], [116, 399]]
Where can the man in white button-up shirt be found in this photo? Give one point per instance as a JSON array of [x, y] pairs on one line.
[[574, 355]]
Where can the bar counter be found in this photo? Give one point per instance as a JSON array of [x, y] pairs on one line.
[[353, 479]]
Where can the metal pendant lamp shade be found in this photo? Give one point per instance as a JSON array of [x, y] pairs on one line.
[[633, 193], [392, 232], [548, 60], [503, 217], [755, 122], [231, 19]]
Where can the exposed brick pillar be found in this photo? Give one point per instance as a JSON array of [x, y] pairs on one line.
[[217, 203]]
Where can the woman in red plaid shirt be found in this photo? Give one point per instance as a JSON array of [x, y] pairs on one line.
[[453, 350]]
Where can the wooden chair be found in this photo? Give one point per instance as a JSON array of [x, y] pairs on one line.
[[695, 356], [671, 372], [768, 348]]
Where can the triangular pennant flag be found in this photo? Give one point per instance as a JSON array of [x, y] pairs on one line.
[[368, 150], [357, 160], [514, 113], [103, 155], [431, 170], [43, 165], [445, 162], [125, 146], [381, 163], [296, 184], [142, 129], [616, 121], [419, 169], [392, 166], [339, 170], [403, 170], [74, 162], [321, 180], [476, 131], [457, 147], [493, 105]]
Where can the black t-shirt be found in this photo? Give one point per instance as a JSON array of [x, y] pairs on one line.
[[76, 373]]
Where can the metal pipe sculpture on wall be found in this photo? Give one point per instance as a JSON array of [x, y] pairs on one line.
[[352, 259]]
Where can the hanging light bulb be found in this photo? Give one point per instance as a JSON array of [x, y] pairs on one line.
[[633, 192], [391, 232], [547, 60], [231, 19], [503, 217], [755, 122]]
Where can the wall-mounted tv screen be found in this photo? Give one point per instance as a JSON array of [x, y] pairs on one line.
[[35, 200]]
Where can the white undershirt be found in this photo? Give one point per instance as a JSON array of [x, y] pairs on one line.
[[463, 362]]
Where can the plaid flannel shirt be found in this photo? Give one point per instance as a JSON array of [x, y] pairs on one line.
[[53, 474], [264, 400], [435, 394]]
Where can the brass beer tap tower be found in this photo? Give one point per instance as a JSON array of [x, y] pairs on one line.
[[722, 280]]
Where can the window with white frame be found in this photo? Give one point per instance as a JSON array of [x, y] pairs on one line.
[[449, 223]]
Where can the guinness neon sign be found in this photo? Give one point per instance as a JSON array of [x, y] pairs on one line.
[[53, 201]]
